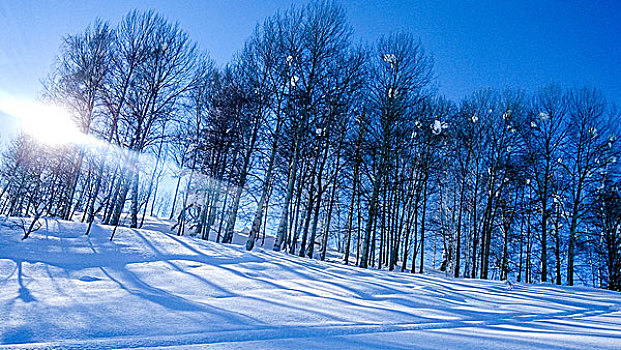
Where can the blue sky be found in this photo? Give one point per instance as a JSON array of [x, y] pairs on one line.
[[475, 44]]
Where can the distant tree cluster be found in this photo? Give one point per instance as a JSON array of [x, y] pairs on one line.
[[329, 146]]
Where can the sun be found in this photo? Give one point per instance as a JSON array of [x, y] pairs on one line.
[[46, 123]]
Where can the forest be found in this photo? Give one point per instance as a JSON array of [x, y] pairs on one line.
[[336, 149]]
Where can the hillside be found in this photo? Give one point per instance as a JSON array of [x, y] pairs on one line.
[[60, 289]]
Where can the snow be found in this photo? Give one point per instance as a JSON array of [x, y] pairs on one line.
[[391, 59], [437, 127], [148, 289]]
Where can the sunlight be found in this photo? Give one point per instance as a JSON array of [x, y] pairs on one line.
[[48, 124]]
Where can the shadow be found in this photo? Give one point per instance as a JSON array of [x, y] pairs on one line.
[[23, 293], [171, 301], [17, 335], [179, 269], [89, 279], [275, 296]]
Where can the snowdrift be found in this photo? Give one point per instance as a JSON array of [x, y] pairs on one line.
[[148, 289]]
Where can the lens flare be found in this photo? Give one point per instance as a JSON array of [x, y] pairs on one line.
[[46, 123]]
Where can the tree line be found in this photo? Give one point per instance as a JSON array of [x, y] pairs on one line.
[[329, 146]]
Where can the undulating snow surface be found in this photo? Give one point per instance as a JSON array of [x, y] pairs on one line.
[[147, 289]]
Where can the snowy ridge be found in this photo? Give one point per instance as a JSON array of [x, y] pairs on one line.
[[60, 289]]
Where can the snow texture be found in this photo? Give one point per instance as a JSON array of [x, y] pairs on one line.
[[147, 289]]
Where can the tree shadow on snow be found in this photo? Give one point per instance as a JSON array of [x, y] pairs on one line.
[[23, 293]]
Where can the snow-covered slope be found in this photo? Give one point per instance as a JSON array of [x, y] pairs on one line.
[[148, 289]]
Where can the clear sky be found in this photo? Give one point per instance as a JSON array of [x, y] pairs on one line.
[[475, 44]]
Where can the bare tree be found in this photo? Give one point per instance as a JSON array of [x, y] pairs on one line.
[[399, 75]]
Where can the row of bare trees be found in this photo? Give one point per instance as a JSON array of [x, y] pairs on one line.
[[329, 149]]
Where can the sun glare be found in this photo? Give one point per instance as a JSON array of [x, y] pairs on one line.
[[48, 124]]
